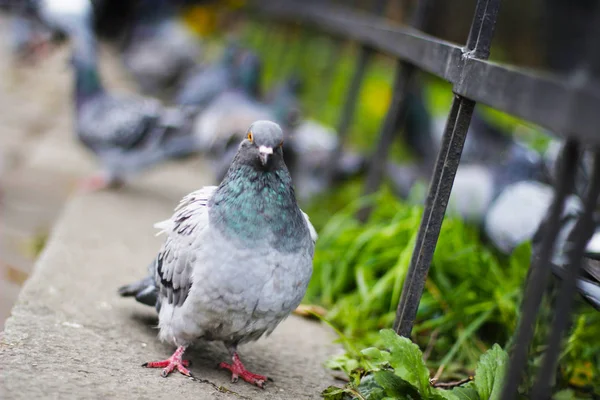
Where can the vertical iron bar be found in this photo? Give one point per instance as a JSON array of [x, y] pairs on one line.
[[583, 230], [433, 215], [396, 113], [540, 273], [330, 65], [363, 58], [443, 177]]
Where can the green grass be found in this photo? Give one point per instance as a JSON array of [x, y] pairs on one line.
[[471, 298]]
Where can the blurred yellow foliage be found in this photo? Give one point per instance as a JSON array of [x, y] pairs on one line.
[[376, 97], [582, 374], [203, 19]]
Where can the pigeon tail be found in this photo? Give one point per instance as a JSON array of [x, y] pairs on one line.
[[144, 291]]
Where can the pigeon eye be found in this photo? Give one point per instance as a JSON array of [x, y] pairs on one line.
[[250, 137]]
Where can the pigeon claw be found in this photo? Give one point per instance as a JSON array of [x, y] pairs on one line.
[[239, 371], [94, 183], [100, 181], [171, 363]]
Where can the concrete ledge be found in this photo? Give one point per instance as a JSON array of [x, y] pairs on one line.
[[71, 336]]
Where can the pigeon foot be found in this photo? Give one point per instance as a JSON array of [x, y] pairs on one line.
[[239, 371], [171, 363], [98, 182]]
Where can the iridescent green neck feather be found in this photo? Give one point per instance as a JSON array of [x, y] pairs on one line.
[[254, 206]]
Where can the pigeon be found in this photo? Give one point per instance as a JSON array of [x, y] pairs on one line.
[[127, 133], [66, 16], [157, 30], [478, 185], [588, 283], [237, 69], [312, 145], [237, 258], [223, 123]]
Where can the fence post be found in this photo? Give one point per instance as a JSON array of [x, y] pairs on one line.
[[540, 270], [478, 45], [583, 230], [539, 275], [396, 113], [362, 60]]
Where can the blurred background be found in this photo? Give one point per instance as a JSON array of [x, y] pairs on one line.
[[215, 66]]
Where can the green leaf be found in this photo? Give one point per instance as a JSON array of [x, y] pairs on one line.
[[567, 394], [370, 389], [465, 393], [443, 395], [375, 358], [334, 393], [489, 375], [395, 386], [407, 361]]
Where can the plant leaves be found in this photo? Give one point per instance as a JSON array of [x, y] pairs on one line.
[[464, 393], [407, 361], [334, 393], [489, 375], [375, 358], [567, 394], [395, 386], [370, 389]]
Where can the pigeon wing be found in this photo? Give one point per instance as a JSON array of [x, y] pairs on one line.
[[175, 262], [112, 122], [311, 228]]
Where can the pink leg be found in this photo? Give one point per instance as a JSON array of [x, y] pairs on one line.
[[175, 361], [239, 371], [97, 182], [94, 183]]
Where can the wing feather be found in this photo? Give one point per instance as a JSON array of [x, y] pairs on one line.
[[175, 262]]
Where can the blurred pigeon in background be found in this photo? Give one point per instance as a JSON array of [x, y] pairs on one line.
[[588, 283], [127, 133], [160, 49], [237, 69], [312, 145], [223, 123], [237, 258]]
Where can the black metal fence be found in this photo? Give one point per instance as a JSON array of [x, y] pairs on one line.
[[568, 107]]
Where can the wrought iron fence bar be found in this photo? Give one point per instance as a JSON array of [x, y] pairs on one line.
[[332, 63], [433, 215], [396, 113], [443, 178], [364, 55], [550, 101], [584, 229], [481, 43], [348, 108], [537, 281]]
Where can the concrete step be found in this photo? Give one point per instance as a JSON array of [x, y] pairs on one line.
[[71, 335]]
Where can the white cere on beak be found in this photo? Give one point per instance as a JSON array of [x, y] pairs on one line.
[[264, 153], [265, 150]]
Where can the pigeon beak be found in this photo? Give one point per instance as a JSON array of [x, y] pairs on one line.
[[264, 154]]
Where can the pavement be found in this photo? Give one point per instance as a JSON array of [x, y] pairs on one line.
[[69, 334]]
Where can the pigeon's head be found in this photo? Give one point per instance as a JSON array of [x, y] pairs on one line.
[[262, 145]]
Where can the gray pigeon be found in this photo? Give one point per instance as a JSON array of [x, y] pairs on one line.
[[127, 133], [237, 258]]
